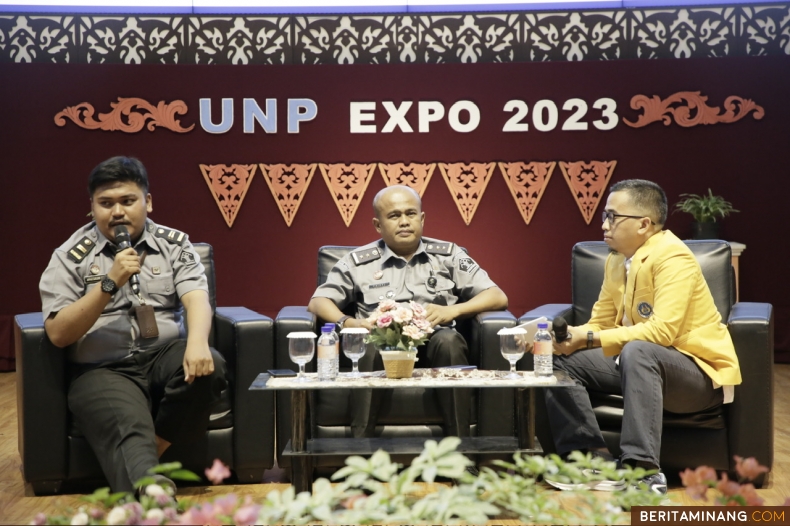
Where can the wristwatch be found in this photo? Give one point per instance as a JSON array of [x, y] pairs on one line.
[[109, 286], [341, 322], [589, 339]]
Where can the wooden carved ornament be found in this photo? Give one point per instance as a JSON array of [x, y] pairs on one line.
[[527, 182], [347, 184], [128, 115], [414, 175], [587, 182], [288, 183], [228, 184], [467, 184]]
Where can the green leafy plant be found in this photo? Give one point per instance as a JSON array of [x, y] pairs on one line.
[[376, 490], [705, 208]]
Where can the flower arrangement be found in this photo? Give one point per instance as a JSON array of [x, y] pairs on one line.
[[730, 492], [376, 490], [398, 326]]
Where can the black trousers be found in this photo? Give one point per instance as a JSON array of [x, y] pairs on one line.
[[122, 406], [445, 347]]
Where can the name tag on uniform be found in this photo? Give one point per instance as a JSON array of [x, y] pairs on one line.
[[93, 279], [379, 285], [146, 320]]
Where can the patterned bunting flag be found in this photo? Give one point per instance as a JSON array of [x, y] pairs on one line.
[[527, 182], [228, 184], [413, 175], [587, 182], [467, 183], [347, 183], [288, 183]]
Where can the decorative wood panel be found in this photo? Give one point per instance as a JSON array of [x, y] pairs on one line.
[[467, 183], [587, 182], [673, 32], [527, 182], [414, 175], [228, 184], [288, 183], [347, 184]]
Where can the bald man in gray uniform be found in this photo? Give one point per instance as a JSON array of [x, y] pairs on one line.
[[138, 381], [404, 266]]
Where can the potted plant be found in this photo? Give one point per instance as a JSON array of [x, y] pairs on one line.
[[705, 209]]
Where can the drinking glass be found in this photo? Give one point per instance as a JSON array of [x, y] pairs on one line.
[[301, 348], [354, 346], [512, 347]]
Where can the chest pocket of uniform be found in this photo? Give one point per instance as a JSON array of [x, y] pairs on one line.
[[161, 290]]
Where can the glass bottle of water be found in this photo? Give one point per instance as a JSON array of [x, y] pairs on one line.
[[336, 337], [542, 351], [327, 354]]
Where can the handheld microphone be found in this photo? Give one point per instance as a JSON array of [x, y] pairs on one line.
[[123, 241], [560, 327]]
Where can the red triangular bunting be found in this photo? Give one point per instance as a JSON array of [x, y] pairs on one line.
[[228, 184], [527, 182], [587, 182]]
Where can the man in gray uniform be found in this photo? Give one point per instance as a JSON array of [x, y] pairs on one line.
[[403, 266], [136, 384]]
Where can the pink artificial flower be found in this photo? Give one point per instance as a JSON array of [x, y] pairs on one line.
[[402, 315], [748, 492], [749, 468], [417, 309], [696, 481], [218, 472], [384, 321], [226, 504], [727, 487], [412, 332], [40, 518], [388, 305], [246, 515]]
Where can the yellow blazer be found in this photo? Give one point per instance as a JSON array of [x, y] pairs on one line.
[[669, 303]]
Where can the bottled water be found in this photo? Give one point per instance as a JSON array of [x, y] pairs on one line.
[[327, 354], [542, 351]]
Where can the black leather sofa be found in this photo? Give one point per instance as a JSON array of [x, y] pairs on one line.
[[743, 428], [404, 412], [241, 429]]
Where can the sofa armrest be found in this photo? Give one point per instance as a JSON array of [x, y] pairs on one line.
[[495, 406], [246, 340], [750, 416], [42, 401], [550, 311], [289, 319]]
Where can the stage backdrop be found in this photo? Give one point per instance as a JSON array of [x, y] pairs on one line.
[[268, 163]]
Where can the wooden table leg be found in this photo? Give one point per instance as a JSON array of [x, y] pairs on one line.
[[301, 465], [525, 417]]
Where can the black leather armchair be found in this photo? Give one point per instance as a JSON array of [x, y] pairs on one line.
[[743, 428], [241, 429], [404, 412]]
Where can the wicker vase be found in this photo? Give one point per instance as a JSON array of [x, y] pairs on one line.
[[397, 362]]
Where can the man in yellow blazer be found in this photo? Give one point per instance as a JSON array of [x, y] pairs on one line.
[[655, 337]]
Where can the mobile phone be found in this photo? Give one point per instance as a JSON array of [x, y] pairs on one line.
[[281, 373]]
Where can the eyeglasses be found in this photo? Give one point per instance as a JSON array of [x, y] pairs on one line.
[[610, 216]]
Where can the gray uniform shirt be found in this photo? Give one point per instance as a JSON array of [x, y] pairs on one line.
[[171, 268], [439, 272]]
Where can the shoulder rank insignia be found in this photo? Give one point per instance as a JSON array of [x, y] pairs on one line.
[[367, 255], [83, 247], [441, 248], [173, 236]]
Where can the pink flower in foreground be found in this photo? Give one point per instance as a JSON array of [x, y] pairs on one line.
[[226, 504], [727, 487], [697, 481], [218, 472], [749, 468], [247, 515], [748, 492], [402, 315], [384, 321]]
